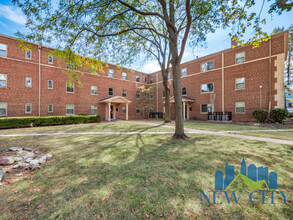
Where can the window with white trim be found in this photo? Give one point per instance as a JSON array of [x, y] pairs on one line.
[[69, 87], [28, 108], [123, 110], [151, 95], [28, 54], [137, 110], [240, 83], [111, 73], [50, 84], [240, 107], [137, 78], [207, 66], [70, 109], [124, 76], [240, 57], [163, 94], [205, 108], [183, 91], [184, 72], [50, 108], [3, 80], [208, 87], [28, 82], [3, 109], [94, 109], [3, 50], [151, 80], [94, 90], [137, 94], [111, 92], [151, 109], [50, 59], [124, 93]]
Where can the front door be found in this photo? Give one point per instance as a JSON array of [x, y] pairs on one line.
[[186, 109], [112, 111]]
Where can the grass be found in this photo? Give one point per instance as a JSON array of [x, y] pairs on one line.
[[283, 135], [138, 177]]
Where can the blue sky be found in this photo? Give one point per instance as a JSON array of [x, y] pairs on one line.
[[13, 20]]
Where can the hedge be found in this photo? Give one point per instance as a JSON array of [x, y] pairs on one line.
[[260, 115], [22, 122], [280, 115]]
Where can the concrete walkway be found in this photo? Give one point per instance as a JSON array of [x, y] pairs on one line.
[[187, 131]]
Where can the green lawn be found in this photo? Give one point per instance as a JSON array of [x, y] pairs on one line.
[[138, 176], [283, 135]]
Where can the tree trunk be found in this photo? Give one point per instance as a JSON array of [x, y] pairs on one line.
[[167, 118]]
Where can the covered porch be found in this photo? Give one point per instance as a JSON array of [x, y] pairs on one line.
[[186, 101], [110, 106]]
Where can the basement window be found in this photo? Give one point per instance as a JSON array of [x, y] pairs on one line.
[[94, 109], [3, 109], [28, 108], [70, 109], [240, 107], [50, 108], [3, 50]]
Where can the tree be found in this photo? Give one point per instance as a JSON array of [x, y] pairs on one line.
[[145, 105], [95, 27]]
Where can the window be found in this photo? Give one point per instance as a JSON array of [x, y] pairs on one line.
[[207, 66], [50, 84], [28, 54], [205, 108], [28, 82], [124, 76], [124, 93], [137, 94], [69, 109], [240, 107], [169, 76], [240, 83], [70, 66], [183, 91], [151, 80], [137, 110], [151, 95], [3, 80], [184, 72], [94, 90], [111, 73], [94, 109], [209, 87], [3, 109], [240, 57], [111, 92], [28, 108], [3, 50], [69, 87], [50, 59], [137, 78], [145, 79], [123, 110], [163, 95], [151, 109], [50, 108]]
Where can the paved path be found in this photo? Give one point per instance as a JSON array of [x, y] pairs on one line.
[[187, 130]]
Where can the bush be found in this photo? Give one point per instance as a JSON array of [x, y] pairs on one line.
[[23, 122], [260, 115], [280, 115]]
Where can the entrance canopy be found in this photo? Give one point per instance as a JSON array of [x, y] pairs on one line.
[[112, 101], [186, 104], [184, 99]]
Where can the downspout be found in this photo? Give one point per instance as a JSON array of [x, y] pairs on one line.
[[40, 80], [157, 76], [223, 87], [270, 76]]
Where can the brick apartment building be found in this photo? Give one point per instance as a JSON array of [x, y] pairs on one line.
[[234, 81]]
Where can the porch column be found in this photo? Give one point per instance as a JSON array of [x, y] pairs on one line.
[[114, 109], [126, 111], [187, 111], [184, 111], [109, 111], [106, 112]]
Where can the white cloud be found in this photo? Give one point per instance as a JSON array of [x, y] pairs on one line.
[[13, 14], [150, 67], [2, 24]]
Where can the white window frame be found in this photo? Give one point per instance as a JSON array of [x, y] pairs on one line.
[[125, 93], [240, 113], [31, 54], [49, 59], [49, 108], [211, 105], [239, 83], [138, 110], [109, 92], [243, 52], [151, 95], [124, 76], [163, 94], [111, 73], [94, 90], [26, 78], [67, 109], [5, 76], [137, 78], [5, 103], [52, 84], [137, 93], [184, 70], [207, 84], [5, 45], [185, 90], [95, 108], [67, 83], [205, 67], [28, 104], [124, 110], [151, 80]]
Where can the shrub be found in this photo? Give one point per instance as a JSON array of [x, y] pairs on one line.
[[260, 115], [22, 122], [280, 115]]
